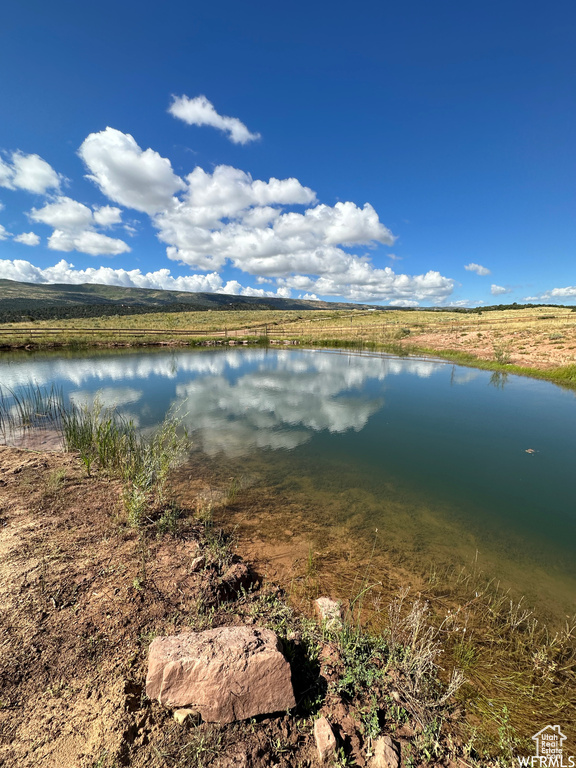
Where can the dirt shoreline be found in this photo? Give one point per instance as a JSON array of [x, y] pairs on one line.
[[83, 594], [82, 597]]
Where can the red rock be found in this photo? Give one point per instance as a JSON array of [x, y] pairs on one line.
[[325, 739], [227, 674], [385, 754]]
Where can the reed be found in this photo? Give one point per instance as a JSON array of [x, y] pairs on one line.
[[105, 442], [31, 408]]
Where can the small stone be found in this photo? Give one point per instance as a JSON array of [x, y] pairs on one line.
[[181, 715], [325, 739], [385, 754], [198, 563], [330, 613]]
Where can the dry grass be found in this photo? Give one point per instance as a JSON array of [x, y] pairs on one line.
[[541, 338], [538, 337], [153, 327]]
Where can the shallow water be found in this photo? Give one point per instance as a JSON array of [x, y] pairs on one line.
[[439, 465]]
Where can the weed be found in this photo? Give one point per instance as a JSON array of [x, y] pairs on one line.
[[32, 407], [508, 742], [55, 481], [370, 719], [415, 649], [205, 744], [365, 660], [395, 714], [234, 487], [428, 741], [342, 760], [502, 352], [103, 761], [145, 638], [311, 568], [168, 521], [464, 655], [202, 615]]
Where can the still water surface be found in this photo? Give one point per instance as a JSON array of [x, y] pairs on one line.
[[431, 455]]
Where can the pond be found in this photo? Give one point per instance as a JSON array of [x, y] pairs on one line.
[[418, 465]]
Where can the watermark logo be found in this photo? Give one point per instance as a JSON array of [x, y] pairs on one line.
[[549, 743]]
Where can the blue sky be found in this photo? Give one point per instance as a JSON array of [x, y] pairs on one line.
[[396, 153]]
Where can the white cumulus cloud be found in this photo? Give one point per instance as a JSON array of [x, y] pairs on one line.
[[404, 303], [568, 292], [232, 193], [499, 290], [126, 174], [87, 241], [64, 272], [200, 111], [29, 172], [65, 213], [210, 220], [363, 282], [228, 216], [74, 227], [27, 238], [478, 268], [107, 215], [4, 235]]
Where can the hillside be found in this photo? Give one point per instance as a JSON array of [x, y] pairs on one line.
[[30, 301]]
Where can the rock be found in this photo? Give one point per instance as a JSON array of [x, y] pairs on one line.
[[227, 674], [325, 739], [385, 754], [182, 715], [198, 563], [329, 612], [236, 577]]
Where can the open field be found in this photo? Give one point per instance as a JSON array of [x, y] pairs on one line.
[[534, 341], [150, 328], [541, 338]]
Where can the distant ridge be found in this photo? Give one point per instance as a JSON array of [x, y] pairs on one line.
[[32, 301]]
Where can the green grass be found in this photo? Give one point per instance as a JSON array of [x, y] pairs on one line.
[[107, 443], [105, 440], [565, 375], [32, 408]]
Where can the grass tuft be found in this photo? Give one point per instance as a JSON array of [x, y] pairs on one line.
[[107, 443]]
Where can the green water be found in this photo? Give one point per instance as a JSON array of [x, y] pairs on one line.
[[426, 460]]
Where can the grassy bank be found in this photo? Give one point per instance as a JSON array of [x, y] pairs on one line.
[[563, 375], [533, 341], [458, 672]]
